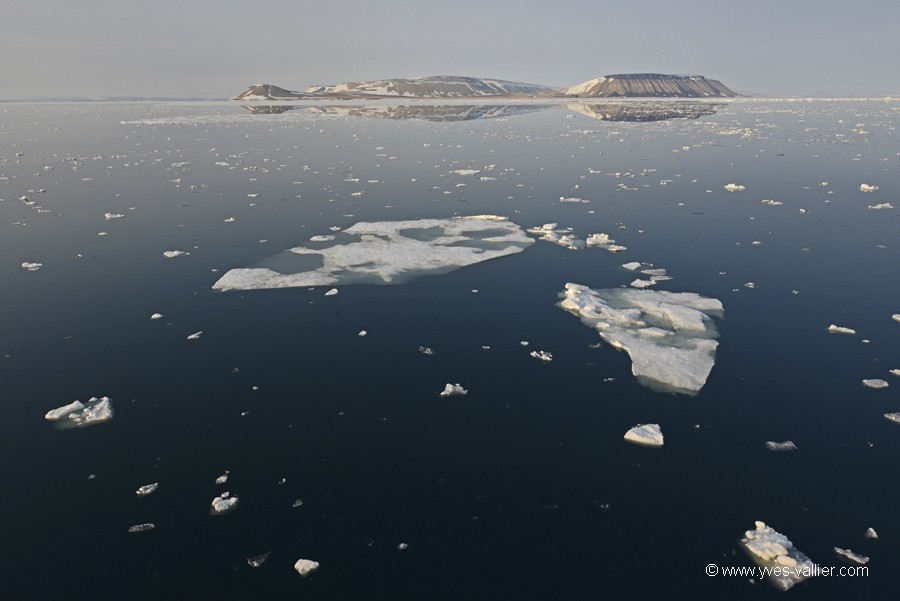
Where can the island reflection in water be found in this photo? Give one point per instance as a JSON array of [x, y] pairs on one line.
[[605, 111]]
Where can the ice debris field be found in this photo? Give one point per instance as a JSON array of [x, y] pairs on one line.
[[449, 410]]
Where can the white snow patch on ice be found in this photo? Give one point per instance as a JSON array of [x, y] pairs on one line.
[[387, 252], [669, 336]]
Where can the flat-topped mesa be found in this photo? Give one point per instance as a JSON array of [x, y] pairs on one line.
[[439, 86], [266, 91], [649, 85]]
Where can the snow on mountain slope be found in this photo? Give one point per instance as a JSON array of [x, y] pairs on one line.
[[441, 86], [650, 85]]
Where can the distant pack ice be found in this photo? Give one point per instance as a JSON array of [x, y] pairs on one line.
[[669, 336], [384, 252]]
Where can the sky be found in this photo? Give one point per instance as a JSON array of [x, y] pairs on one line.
[[216, 48]]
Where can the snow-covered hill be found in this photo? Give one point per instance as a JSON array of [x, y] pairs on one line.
[[630, 85], [266, 91], [441, 86]]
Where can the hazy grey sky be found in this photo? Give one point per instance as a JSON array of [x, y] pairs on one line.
[[215, 48]]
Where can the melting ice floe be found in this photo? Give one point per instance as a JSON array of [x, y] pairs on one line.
[[453, 390], [892, 417], [771, 549], [645, 434], [147, 489], [875, 383], [28, 266], [668, 335], [833, 329], [141, 528], [787, 445], [851, 556], [78, 414], [305, 567], [223, 503], [386, 252]]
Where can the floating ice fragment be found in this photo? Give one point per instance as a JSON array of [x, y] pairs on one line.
[[63, 411], [466, 171], [147, 489], [572, 199], [542, 355], [229, 220], [258, 560], [305, 567], [327, 238], [223, 504], [141, 527], [833, 329], [867, 188], [604, 241], [171, 254], [645, 434], [109, 216], [28, 266], [896, 317], [732, 187], [875, 383], [362, 333], [195, 335], [223, 478], [426, 350], [895, 372], [772, 203], [402, 547], [892, 417], [157, 316], [881, 206], [669, 336], [297, 503], [639, 283], [79, 415], [870, 533], [851, 556], [787, 445], [386, 252], [453, 390], [771, 549], [631, 266], [332, 292]]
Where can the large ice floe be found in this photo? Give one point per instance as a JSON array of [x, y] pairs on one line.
[[78, 414], [669, 336], [385, 252], [783, 564]]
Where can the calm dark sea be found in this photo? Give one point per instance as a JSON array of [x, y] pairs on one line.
[[522, 489]]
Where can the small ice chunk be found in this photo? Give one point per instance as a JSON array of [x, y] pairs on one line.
[[833, 329], [332, 292], [632, 266], [402, 547], [542, 355], [305, 567], [896, 317], [223, 478], [195, 335], [297, 503], [892, 417], [881, 206], [645, 434], [362, 333], [95, 411], [327, 238], [171, 254], [223, 504], [772, 203], [147, 489], [426, 350], [466, 171], [453, 390], [157, 316], [61, 412], [787, 445], [641, 284], [769, 548], [851, 556], [870, 533], [28, 266], [875, 383], [732, 187], [895, 372], [258, 560], [109, 216], [141, 527], [867, 188]]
